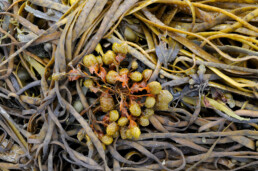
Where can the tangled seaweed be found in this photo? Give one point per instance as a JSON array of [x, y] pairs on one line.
[[128, 85]]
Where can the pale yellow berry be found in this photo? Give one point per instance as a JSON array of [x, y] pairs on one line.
[[135, 109], [148, 112], [123, 132], [161, 106], [107, 103], [120, 48], [106, 139], [122, 121], [123, 71], [109, 57], [134, 64], [147, 74], [112, 128], [88, 83], [113, 115], [144, 121], [78, 106], [154, 87], [150, 102], [99, 49], [99, 59], [89, 60], [111, 77], [164, 96], [135, 131], [136, 76], [130, 35], [128, 134]]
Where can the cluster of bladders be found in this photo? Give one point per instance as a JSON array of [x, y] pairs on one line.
[[136, 98]]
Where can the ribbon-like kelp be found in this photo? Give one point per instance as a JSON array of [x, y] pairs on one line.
[[128, 85]]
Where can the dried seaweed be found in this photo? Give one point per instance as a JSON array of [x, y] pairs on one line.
[[128, 85]]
